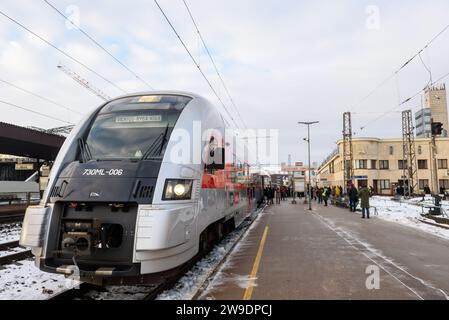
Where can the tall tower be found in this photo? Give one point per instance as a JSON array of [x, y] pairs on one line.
[[436, 100], [347, 150], [409, 153]]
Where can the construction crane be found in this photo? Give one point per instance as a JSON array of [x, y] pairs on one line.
[[62, 131], [86, 84]]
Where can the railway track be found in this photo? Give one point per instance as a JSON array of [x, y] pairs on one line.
[[14, 256], [9, 245], [8, 218], [14, 213], [165, 283], [157, 287]]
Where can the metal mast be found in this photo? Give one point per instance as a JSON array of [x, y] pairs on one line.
[[409, 153], [86, 84], [347, 150]]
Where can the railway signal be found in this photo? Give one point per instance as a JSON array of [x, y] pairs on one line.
[[437, 128]]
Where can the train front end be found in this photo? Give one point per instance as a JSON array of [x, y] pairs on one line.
[[98, 209]]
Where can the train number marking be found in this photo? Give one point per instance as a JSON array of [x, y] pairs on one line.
[[115, 172], [103, 172]]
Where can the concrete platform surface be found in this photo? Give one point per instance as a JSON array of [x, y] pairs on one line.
[[331, 253]]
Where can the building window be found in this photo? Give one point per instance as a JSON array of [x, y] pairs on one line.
[[422, 164], [402, 164], [361, 164], [373, 164], [423, 183], [384, 164], [444, 184], [383, 184], [419, 150], [442, 163], [391, 150], [332, 167]]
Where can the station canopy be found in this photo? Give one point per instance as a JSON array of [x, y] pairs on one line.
[[31, 143]]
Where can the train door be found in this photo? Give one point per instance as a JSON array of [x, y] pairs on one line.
[[212, 185]]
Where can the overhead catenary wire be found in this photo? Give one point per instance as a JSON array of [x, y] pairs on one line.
[[405, 101], [213, 62], [194, 61], [91, 38], [61, 51], [427, 69], [402, 103], [430, 83], [391, 76], [35, 112], [40, 96]]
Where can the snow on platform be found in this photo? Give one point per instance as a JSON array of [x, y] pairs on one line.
[[188, 286], [406, 213]]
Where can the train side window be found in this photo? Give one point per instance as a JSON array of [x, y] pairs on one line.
[[215, 156], [231, 199]]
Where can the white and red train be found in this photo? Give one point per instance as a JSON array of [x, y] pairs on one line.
[[118, 207]]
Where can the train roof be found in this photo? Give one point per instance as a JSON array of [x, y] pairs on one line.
[[161, 92]]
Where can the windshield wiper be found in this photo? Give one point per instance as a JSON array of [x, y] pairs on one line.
[[85, 153], [152, 148], [164, 140], [157, 144]]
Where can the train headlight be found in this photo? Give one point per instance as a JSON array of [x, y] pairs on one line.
[[180, 190], [177, 189]]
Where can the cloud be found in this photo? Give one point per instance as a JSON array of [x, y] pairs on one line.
[[283, 62]]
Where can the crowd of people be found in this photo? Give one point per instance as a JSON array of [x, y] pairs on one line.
[[336, 193], [326, 195], [322, 195], [273, 193]]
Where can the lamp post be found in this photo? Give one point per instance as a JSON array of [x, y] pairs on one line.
[[308, 124], [307, 182]]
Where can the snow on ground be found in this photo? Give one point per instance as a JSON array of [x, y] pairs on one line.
[[11, 251], [405, 213], [10, 232], [23, 281], [191, 282], [427, 200], [119, 293]]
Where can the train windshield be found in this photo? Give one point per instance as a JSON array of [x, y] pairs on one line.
[[135, 128]]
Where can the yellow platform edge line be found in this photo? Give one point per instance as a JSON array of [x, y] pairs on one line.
[[249, 289]]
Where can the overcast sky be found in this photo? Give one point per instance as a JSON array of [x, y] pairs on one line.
[[283, 61]]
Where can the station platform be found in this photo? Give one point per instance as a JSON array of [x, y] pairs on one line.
[[330, 253]]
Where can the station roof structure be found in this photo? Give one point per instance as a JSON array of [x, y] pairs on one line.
[[31, 143]]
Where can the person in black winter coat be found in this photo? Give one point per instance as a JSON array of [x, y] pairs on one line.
[[353, 198], [271, 195], [320, 195]]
